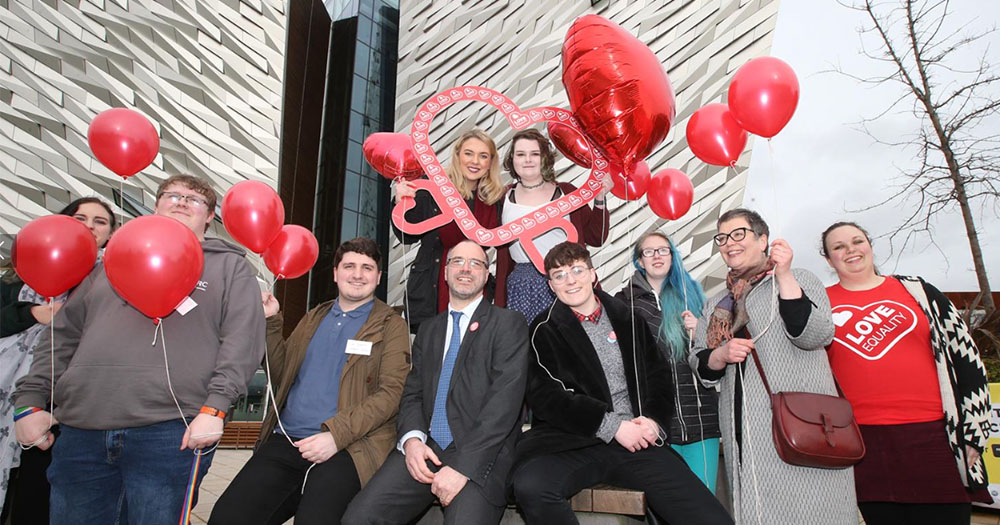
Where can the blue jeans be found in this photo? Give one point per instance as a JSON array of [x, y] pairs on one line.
[[134, 476]]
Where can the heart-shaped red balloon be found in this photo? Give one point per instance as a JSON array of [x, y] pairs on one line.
[[670, 194], [253, 214], [632, 186], [714, 136], [293, 252], [617, 88], [763, 95], [154, 262], [391, 154], [570, 143], [52, 254], [123, 140], [454, 208]]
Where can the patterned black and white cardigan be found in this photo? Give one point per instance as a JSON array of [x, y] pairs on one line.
[[965, 394]]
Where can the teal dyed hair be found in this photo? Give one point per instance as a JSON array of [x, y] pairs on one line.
[[672, 297]]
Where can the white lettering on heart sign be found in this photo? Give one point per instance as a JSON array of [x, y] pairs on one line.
[[871, 331]]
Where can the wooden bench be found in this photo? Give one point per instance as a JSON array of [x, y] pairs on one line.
[[240, 434]]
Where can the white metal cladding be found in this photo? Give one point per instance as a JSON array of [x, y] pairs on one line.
[[207, 74], [514, 47]]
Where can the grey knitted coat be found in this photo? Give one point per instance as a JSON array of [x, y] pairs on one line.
[[765, 489]]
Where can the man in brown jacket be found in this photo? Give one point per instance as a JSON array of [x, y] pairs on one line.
[[339, 378]]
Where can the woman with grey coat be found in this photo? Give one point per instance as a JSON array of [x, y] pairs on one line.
[[784, 315]]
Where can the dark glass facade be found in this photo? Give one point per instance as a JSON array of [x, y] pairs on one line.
[[352, 199]]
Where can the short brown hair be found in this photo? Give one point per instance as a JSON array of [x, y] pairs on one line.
[[544, 146], [190, 182], [756, 222], [362, 245], [566, 253]]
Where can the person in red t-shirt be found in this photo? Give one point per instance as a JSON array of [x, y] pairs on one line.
[[904, 359]]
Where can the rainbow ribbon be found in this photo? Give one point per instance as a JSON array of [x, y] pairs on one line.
[[192, 487]]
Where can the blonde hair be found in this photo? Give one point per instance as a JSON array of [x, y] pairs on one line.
[[491, 188]]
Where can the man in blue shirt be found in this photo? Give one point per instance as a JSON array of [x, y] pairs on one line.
[[338, 381]]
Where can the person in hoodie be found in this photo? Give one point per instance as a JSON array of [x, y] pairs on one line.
[[124, 454], [662, 294]]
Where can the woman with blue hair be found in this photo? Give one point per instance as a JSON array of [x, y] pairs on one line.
[[663, 294]]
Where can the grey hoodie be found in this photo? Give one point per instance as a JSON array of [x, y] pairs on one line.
[[108, 375]]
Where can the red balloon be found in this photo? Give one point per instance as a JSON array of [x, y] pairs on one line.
[[54, 253], [123, 140], [670, 194], [293, 252], [617, 88], [392, 155], [154, 262], [714, 136], [763, 96], [635, 183], [570, 143], [252, 213]]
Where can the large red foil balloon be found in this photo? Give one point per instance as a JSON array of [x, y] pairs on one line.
[[54, 253], [763, 95], [617, 88], [670, 194], [570, 143], [253, 214], [154, 262], [123, 140], [392, 155], [714, 136], [633, 186], [293, 252]]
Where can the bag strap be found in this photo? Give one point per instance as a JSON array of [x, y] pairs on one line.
[[760, 370]]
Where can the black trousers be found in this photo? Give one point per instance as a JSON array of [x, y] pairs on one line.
[[888, 513], [28, 493], [543, 485], [268, 490], [393, 497]]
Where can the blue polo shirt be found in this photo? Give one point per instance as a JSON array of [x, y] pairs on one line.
[[314, 395]]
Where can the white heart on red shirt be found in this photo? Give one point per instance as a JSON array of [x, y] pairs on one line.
[[871, 331]]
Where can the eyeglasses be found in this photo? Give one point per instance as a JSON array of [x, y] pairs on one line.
[[576, 271], [191, 200], [662, 252], [475, 264], [736, 235]]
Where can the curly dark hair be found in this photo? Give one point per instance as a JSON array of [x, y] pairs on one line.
[[548, 156], [362, 245]]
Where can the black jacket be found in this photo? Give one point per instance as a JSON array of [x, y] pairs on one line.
[[690, 423], [567, 389]]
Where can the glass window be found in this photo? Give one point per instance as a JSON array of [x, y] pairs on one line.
[[355, 156], [375, 67], [349, 226], [368, 227], [369, 196], [358, 90], [361, 55], [374, 103], [351, 187], [364, 29], [357, 130]]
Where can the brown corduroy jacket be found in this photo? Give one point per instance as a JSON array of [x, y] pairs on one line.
[[370, 386]]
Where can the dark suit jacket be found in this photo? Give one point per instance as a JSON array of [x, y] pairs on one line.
[[484, 398], [568, 390]]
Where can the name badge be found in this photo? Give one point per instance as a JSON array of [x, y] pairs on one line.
[[359, 347], [186, 305]]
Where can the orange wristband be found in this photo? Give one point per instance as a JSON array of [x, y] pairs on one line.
[[212, 412]]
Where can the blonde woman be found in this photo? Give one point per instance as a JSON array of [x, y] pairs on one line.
[[474, 170]]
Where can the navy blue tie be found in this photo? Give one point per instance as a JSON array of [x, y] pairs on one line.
[[440, 430]]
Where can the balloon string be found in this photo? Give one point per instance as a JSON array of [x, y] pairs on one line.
[[166, 366], [121, 201]]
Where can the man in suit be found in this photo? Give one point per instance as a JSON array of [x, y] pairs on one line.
[[458, 418]]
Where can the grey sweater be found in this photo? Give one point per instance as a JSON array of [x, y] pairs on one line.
[[109, 376], [614, 372]]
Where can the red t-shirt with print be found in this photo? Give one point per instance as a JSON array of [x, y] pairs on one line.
[[881, 355]]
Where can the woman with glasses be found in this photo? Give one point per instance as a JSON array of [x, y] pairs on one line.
[[530, 160], [25, 316], [905, 360], [663, 294], [783, 315], [474, 170]]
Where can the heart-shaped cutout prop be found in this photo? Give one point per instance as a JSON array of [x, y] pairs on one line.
[[524, 229]]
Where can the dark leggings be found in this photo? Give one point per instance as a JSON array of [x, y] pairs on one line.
[[886, 513]]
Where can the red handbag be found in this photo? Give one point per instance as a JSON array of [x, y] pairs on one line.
[[813, 430]]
